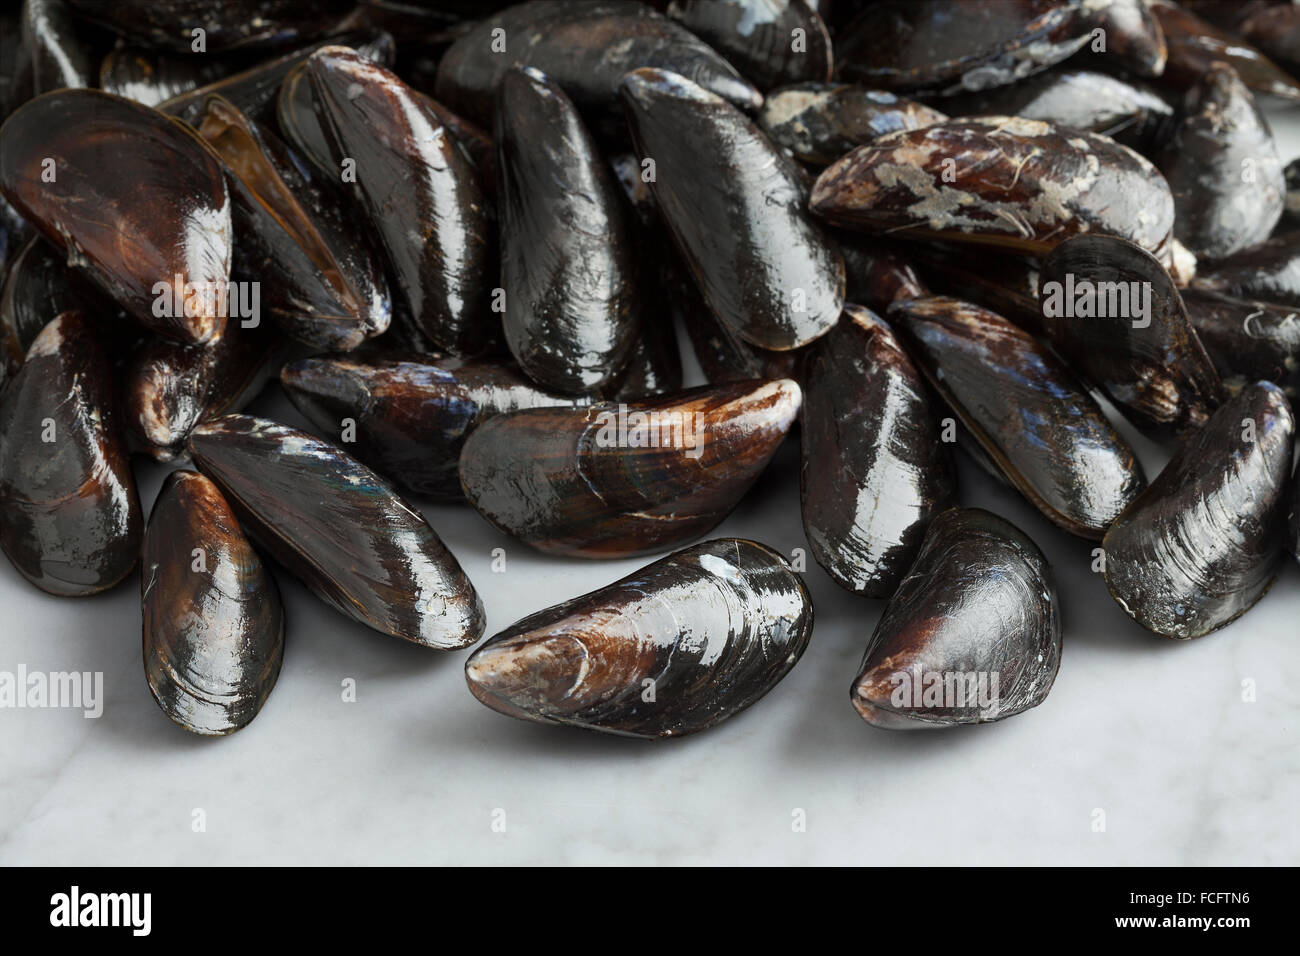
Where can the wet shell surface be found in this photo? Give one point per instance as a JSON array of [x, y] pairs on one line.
[[770, 41], [1248, 341]]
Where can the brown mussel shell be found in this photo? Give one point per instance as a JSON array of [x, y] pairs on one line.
[[735, 206], [419, 190], [161, 213], [1005, 284], [213, 624], [771, 42], [616, 480], [875, 471], [585, 48], [1111, 311], [568, 257], [1195, 46], [1248, 341], [707, 631], [1004, 181], [341, 529], [410, 414], [153, 78], [973, 634], [875, 275], [1275, 30], [1029, 413], [71, 517], [1269, 272], [1133, 35], [1203, 543], [62, 56], [820, 122]]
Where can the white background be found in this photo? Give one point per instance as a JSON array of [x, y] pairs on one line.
[[1152, 732]]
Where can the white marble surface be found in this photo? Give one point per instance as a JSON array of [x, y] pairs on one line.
[[1154, 733]]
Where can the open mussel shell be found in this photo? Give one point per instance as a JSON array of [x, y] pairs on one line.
[[1203, 543], [419, 190], [956, 47], [213, 624], [670, 650], [820, 122], [771, 43], [1248, 341], [614, 480], [159, 240], [341, 529], [1112, 311], [408, 416], [1269, 272], [568, 256], [1195, 46], [586, 48], [1027, 410], [771, 273], [71, 518], [998, 180], [231, 24], [875, 471], [973, 634]]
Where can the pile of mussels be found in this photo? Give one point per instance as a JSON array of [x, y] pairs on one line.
[[464, 246]]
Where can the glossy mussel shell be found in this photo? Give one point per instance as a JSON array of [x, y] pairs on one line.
[[213, 624], [978, 605], [136, 200], [1027, 411], [669, 650], [71, 519], [1195, 46], [1200, 546], [875, 471], [1248, 341], [568, 256], [341, 529], [231, 24], [770, 43], [1269, 271], [735, 206], [616, 479]]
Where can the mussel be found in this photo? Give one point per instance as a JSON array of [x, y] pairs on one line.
[[152, 78], [820, 122], [876, 276], [61, 57], [213, 625], [770, 41], [670, 650], [614, 479], [1248, 341], [1203, 543], [232, 24], [1269, 271], [973, 634], [341, 529], [1195, 46], [70, 514], [1132, 35]]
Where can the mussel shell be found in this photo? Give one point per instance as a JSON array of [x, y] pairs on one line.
[[1248, 341], [979, 601], [341, 529], [1153, 367], [735, 206], [231, 24], [820, 122], [411, 414], [213, 630], [1269, 271], [710, 630], [1195, 46], [654, 363], [875, 471], [1275, 30], [1294, 544], [615, 480], [71, 518], [759, 37], [1292, 175], [1004, 181], [61, 55], [152, 78], [1032, 417], [1133, 35], [568, 259], [876, 276], [420, 192], [1005, 284], [1203, 543], [159, 198], [586, 48]]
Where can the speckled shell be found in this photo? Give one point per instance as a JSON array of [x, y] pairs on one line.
[[1248, 341], [672, 649]]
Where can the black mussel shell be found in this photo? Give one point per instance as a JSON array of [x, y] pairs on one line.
[[771, 43], [228, 25], [1248, 341], [62, 55], [956, 47], [875, 471], [1275, 30], [152, 78], [585, 48], [1269, 271], [1005, 284], [15, 232], [341, 529], [1195, 46], [408, 416], [973, 634], [654, 363], [71, 518], [876, 276], [1203, 543], [735, 206], [615, 480], [820, 122], [1032, 417], [419, 190], [998, 180], [159, 237], [568, 256], [1132, 35], [213, 624], [670, 650], [1292, 175], [1111, 311]]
